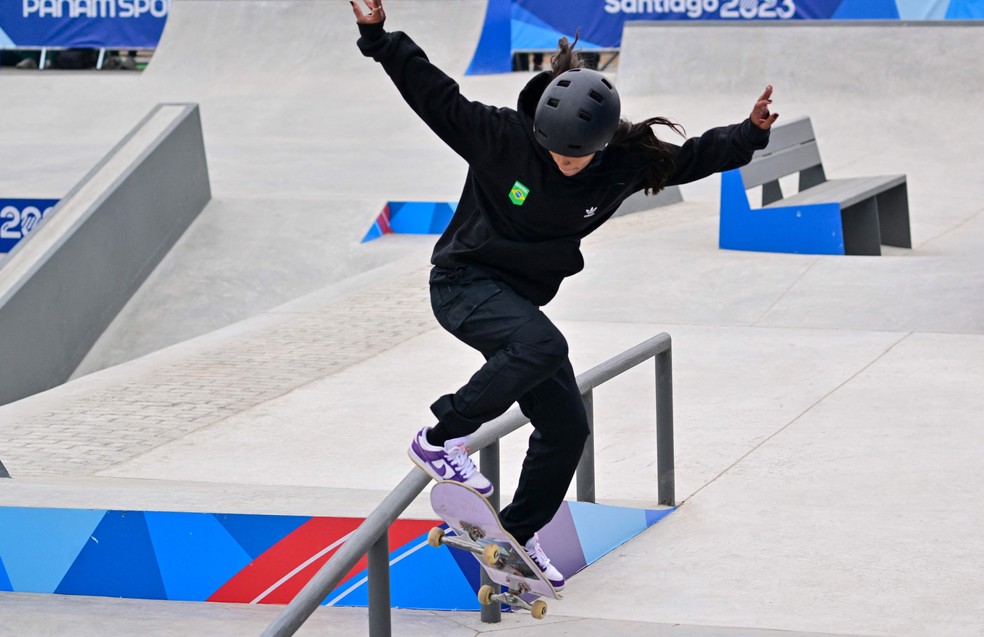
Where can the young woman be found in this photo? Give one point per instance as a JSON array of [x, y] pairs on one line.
[[541, 178]]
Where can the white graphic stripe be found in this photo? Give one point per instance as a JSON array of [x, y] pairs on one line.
[[366, 579], [300, 568]]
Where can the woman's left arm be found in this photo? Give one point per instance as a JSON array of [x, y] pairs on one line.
[[726, 147]]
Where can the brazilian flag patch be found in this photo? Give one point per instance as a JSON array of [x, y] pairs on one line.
[[518, 193]]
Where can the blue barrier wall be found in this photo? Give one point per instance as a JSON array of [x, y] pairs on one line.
[[266, 559], [538, 24]]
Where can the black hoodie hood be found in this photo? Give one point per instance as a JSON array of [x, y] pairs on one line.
[[526, 104], [529, 97]]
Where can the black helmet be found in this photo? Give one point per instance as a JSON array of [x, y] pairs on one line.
[[577, 114]]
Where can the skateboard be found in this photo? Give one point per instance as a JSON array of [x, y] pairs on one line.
[[477, 529]]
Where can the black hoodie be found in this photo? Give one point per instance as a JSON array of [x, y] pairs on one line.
[[519, 219]]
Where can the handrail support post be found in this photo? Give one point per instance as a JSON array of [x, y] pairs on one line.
[[586, 466], [379, 587], [488, 462], [664, 427]]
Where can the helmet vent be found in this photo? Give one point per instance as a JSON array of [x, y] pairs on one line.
[[554, 102], [585, 115], [607, 83], [564, 83], [596, 96]]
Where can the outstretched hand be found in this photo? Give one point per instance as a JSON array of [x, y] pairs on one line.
[[761, 116], [376, 14]]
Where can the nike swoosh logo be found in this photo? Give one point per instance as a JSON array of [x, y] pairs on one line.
[[446, 472]]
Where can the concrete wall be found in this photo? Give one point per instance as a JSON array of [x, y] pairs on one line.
[[63, 286], [849, 58]]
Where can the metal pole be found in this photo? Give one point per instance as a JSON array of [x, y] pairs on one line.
[[488, 464], [488, 459], [586, 466], [379, 587], [664, 427]]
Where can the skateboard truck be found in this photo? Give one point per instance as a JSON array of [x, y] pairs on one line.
[[491, 555], [487, 595]]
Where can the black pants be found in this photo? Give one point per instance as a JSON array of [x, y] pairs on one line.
[[526, 361]]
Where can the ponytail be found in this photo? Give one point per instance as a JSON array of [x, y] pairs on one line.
[[566, 58], [658, 157]]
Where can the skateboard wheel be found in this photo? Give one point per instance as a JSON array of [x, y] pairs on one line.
[[539, 609], [435, 536], [485, 595], [491, 554]]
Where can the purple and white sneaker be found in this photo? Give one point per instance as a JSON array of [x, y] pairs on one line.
[[540, 559], [450, 462]]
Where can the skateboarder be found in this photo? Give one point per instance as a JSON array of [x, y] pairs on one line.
[[541, 178]]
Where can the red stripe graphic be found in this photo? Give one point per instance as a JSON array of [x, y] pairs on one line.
[[276, 576], [384, 220]]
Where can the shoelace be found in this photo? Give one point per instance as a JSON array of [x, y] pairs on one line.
[[539, 556], [459, 459]]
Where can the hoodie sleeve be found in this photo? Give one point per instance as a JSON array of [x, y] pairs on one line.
[[469, 128], [717, 150]]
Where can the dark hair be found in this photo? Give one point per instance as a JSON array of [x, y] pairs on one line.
[[635, 137]]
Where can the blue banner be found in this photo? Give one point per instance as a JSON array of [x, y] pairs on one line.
[[536, 25], [96, 24], [19, 217]]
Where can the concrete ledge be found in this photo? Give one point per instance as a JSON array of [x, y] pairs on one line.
[[641, 202], [61, 288]]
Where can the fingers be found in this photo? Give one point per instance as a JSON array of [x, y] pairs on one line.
[[761, 116], [357, 10], [763, 119], [762, 105], [374, 14]]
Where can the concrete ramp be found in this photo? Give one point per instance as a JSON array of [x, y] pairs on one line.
[[292, 108], [306, 141]]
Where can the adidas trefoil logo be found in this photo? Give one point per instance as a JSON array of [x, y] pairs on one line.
[[590, 211]]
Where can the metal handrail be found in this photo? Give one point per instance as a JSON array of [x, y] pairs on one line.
[[372, 535]]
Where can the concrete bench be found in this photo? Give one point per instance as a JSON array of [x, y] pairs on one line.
[[839, 216]]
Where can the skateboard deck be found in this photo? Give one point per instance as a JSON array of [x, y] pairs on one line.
[[477, 529]]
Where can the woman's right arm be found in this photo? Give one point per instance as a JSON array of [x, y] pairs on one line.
[[471, 129]]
